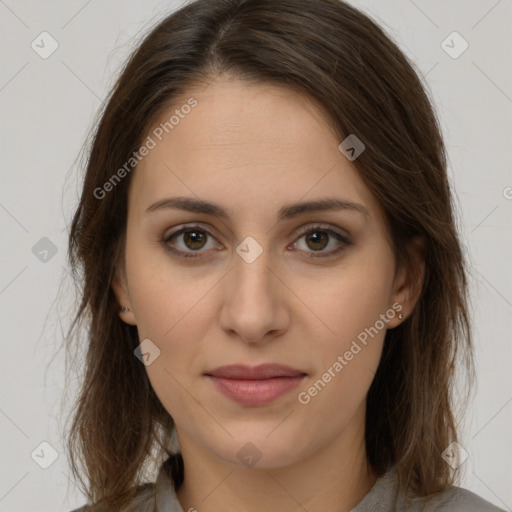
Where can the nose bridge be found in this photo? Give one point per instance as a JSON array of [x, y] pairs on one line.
[[252, 269], [251, 276]]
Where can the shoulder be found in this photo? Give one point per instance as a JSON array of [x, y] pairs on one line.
[[385, 496], [150, 494], [144, 501], [458, 499]]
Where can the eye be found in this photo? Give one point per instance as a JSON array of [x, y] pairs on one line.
[[193, 239], [317, 238]]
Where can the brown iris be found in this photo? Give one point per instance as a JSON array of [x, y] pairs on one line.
[[315, 238], [194, 239]]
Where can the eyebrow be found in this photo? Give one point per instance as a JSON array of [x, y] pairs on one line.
[[287, 212]]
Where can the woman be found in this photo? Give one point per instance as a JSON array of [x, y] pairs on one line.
[[275, 287]]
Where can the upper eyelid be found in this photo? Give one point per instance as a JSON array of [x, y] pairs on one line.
[[184, 227], [324, 226]]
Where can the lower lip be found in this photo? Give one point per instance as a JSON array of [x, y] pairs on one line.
[[256, 392]]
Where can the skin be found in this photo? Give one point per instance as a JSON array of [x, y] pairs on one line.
[[253, 148]]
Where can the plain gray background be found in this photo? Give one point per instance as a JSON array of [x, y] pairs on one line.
[[48, 106]]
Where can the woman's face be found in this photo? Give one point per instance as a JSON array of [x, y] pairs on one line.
[[265, 283]]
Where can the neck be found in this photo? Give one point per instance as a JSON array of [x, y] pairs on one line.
[[335, 478]]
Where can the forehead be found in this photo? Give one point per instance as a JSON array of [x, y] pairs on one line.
[[249, 146]]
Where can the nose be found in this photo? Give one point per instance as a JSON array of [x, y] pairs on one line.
[[254, 307]]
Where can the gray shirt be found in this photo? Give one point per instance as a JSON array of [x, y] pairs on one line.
[[382, 497]]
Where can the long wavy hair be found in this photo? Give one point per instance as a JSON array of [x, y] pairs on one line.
[[341, 58]]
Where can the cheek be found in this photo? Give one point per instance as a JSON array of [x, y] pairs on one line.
[[351, 300], [355, 307], [175, 322], [172, 315], [164, 296], [346, 365], [171, 312]]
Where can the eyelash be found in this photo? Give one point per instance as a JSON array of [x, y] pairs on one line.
[[313, 229]]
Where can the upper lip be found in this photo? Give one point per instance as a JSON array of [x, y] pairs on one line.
[[260, 372]]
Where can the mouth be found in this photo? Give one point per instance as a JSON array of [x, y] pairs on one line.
[[255, 385]]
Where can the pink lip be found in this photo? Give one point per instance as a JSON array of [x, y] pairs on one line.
[[257, 385]]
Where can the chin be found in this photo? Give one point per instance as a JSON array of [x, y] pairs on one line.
[[257, 449]]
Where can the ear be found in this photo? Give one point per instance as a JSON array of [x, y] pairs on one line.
[[120, 289], [408, 282]]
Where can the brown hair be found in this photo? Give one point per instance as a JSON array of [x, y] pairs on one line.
[[345, 61]]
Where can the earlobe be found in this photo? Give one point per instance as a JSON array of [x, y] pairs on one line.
[[120, 289]]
